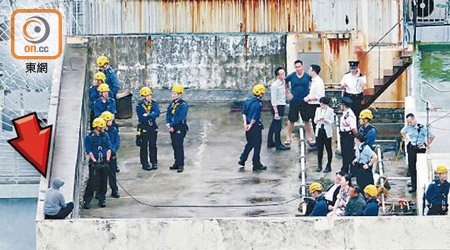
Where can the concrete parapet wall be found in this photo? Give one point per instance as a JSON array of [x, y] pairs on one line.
[[235, 233]]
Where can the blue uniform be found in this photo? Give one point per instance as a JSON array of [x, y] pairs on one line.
[[363, 155], [252, 109], [372, 207], [321, 207], [370, 134], [98, 145], [299, 86], [417, 135], [100, 106], [113, 134], [149, 131], [112, 81], [94, 94], [437, 197], [176, 118]]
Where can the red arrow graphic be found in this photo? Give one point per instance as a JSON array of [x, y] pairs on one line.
[[32, 141]]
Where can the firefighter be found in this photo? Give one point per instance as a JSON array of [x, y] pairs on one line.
[[251, 114], [437, 193], [98, 148], [354, 83], [372, 207], [366, 128], [94, 94], [321, 207], [147, 111], [177, 126], [347, 130], [104, 103], [110, 73], [113, 134]]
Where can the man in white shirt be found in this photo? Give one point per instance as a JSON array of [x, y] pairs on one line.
[[316, 91], [354, 83], [347, 131], [278, 100]]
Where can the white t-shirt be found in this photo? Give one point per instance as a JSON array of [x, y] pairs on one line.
[[317, 90], [353, 83]]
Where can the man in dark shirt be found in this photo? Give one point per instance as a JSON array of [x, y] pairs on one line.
[[356, 204], [299, 89]]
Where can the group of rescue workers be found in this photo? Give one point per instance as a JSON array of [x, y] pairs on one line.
[[103, 142], [306, 92]]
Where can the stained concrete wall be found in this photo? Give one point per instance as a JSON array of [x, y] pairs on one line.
[[207, 61], [258, 233]]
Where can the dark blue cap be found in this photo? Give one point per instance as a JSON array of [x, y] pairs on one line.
[[353, 64]]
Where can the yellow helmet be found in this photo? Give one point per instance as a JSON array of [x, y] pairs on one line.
[[101, 60], [103, 87], [107, 116], [315, 186], [100, 76], [145, 91], [371, 190], [259, 89], [98, 123], [178, 89], [366, 114], [441, 169]]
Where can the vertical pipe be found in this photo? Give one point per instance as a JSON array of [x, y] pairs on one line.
[[302, 167], [382, 178], [338, 138]]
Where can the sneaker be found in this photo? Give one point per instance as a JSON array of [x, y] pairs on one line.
[[180, 169], [173, 167]]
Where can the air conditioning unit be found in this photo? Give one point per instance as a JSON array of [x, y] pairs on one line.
[[429, 10]]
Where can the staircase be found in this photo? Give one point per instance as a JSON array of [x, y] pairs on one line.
[[389, 77]]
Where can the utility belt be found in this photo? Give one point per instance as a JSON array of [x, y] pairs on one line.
[[147, 126], [346, 133], [417, 147], [182, 126], [360, 95], [361, 165], [443, 206], [99, 164]]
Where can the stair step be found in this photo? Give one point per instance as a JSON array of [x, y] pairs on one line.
[[398, 62], [406, 54], [369, 91], [378, 82], [388, 72]]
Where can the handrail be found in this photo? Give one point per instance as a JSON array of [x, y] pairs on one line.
[[382, 178], [302, 168], [378, 42]]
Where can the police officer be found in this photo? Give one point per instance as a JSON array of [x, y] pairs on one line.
[[98, 147], [366, 128], [347, 130], [415, 135], [177, 126], [353, 83], [104, 103], [147, 111], [113, 134], [437, 193], [251, 114], [321, 207], [111, 77], [363, 163], [372, 207]]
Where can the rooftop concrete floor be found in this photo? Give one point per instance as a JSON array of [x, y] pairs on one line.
[[212, 148]]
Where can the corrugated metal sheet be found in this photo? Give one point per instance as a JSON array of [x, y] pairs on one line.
[[217, 16]]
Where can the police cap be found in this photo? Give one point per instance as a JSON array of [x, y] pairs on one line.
[[346, 100], [353, 64]]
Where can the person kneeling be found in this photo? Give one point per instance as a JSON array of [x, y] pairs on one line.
[[372, 202], [321, 207]]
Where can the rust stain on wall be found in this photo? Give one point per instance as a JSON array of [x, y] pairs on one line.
[[335, 45]]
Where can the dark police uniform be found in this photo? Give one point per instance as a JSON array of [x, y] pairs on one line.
[[148, 129], [347, 124], [108, 105], [112, 81], [321, 207], [252, 110], [113, 134], [372, 207], [363, 156], [370, 135], [417, 136], [176, 117], [437, 197], [98, 145]]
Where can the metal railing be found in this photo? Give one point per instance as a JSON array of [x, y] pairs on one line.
[[427, 12], [382, 177], [302, 174]]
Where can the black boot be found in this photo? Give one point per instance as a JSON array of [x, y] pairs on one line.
[[87, 205], [154, 166], [180, 169], [327, 168], [319, 167], [241, 162], [102, 203], [282, 147], [259, 167], [146, 167], [174, 167], [118, 169], [115, 194]]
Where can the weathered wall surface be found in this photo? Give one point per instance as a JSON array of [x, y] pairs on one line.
[[209, 61], [266, 233]]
